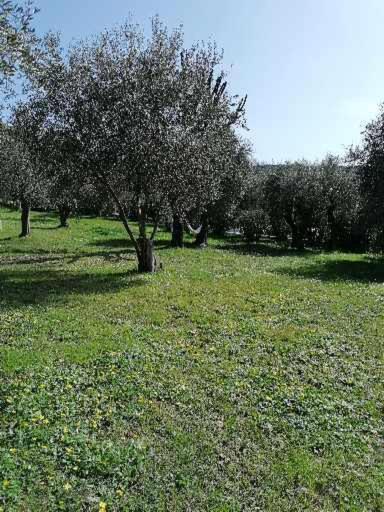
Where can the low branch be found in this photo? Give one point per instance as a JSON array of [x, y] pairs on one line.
[[123, 215], [154, 231]]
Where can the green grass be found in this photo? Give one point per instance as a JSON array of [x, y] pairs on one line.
[[233, 380]]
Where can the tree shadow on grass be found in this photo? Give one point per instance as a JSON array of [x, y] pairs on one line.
[[39, 257], [367, 270], [44, 287], [126, 244], [26, 259], [112, 243], [44, 218], [46, 228], [264, 249]]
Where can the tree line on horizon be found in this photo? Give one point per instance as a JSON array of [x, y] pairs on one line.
[[149, 128]]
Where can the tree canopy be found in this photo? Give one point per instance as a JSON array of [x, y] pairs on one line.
[[17, 38], [150, 121]]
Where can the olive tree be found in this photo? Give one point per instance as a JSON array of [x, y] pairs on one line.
[[142, 121], [217, 210], [231, 164], [368, 158], [313, 203], [341, 206], [236, 173], [20, 175], [292, 196]]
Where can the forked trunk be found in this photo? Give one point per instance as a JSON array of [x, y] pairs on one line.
[[147, 261], [25, 219], [202, 235], [177, 232]]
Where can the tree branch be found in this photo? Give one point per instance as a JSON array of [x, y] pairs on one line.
[[123, 215]]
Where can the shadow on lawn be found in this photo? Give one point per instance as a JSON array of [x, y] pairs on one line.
[[126, 244], [40, 257], [42, 287], [46, 227], [368, 270], [43, 218], [112, 243], [263, 249], [26, 259]]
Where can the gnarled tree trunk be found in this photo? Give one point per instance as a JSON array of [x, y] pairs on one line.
[[331, 243], [202, 235], [297, 237], [144, 246], [25, 219], [177, 232], [146, 257], [64, 213]]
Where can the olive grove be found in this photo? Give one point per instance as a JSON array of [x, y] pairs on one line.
[[145, 119], [144, 126]]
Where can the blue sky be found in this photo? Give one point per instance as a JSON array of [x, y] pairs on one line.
[[313, 69]]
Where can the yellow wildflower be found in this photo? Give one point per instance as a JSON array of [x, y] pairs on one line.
[[102, 506], [67, 487]]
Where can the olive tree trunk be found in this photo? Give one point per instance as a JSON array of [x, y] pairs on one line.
[[331, 243], [144, 246], [146, 256], [202, 235], [297, 236], [64, 214], [25, 219], [177, 232]]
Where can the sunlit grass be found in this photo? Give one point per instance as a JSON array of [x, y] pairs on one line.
[[236, 379]]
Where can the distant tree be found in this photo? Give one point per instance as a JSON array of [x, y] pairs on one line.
[[211, 95], [292, 194], [341, 207], [218, 212], [65, 187], [63, 194], [368, 157], [142, 122], [20, 175], [237, 171], [264, 194], [232, 164], [312, 203], [253, 224], [251, 215]]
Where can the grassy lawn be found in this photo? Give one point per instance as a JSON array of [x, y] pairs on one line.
[[233, 380]]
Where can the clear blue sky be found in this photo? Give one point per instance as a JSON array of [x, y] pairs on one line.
[[313, 69]]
